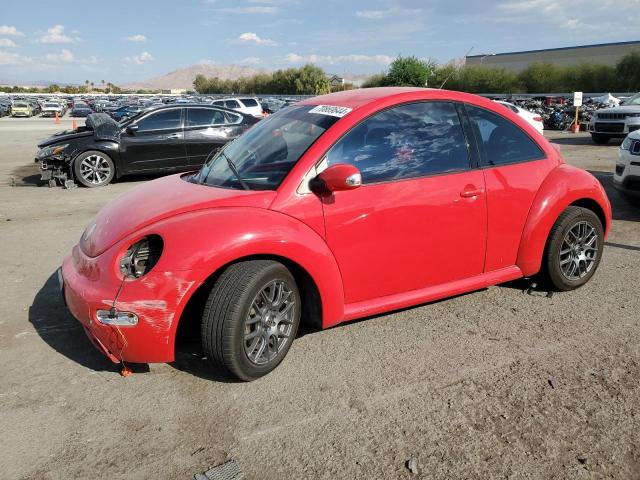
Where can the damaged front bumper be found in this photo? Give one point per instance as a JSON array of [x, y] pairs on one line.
[[56, 169], [95, 293]]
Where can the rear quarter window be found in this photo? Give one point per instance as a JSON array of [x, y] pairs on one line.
[[501, 142]]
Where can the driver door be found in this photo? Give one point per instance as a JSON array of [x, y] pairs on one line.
[[420, 217], [155, 142]]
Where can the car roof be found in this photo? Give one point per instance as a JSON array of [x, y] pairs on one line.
[[154, 108], [361, 97]]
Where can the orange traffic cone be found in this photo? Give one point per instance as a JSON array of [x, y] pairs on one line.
[[57, 119], [74, 125]]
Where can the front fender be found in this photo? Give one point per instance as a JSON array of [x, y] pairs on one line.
[[204, 241], [563, 186]]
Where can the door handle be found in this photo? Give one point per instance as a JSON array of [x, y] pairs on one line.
[[174, 136], [470, 191]]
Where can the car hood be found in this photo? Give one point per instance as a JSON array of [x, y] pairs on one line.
[[623, 109], [157, 200], [62, 137]]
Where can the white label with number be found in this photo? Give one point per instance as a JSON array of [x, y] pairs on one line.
[[330, 110]]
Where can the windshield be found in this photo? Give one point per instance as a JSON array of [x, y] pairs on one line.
[[50, 105], [130, 116], [635, 100], [264, 155], [20, 105]]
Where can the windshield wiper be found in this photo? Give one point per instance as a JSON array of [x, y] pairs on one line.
[[233, 168]]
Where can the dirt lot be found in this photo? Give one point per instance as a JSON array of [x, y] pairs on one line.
[[493, 384]]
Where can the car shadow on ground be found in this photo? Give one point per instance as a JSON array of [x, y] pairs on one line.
[[26, 176], [620, 208], [190, 357], [57, 327], [29, 176]]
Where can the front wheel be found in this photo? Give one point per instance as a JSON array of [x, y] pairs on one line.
[[251, 318], [573, 250], [94, 169], [600, 139]]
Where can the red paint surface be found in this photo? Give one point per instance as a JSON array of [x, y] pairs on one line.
[[369, 250]]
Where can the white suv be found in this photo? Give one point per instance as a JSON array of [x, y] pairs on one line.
[[616, 122], [626, 178], [248, 105]]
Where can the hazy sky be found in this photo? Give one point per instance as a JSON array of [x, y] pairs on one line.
[[125, 40]]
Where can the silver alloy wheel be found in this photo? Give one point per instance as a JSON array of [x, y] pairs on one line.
[[578, 250], [269, 322], [95, 169]]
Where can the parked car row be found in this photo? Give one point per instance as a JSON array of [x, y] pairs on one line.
[[164, 135], [121, 107]]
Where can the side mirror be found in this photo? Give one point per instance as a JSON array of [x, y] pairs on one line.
[[132, 129], [335, 178]]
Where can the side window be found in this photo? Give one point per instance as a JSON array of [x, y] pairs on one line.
[[218, 103], [501, 141], [411, 140], [231, 104], [233, 118], [249, 102], [160, 120], [204, 117]]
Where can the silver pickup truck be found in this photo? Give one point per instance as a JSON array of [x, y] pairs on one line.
[[616, 122]]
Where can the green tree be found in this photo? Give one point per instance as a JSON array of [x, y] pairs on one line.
[[377, 80], [628, 72], [542, 77], [410, 72]]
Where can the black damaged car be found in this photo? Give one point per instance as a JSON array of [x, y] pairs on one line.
[[168, 139]]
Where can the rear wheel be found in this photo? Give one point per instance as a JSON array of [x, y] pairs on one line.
[[573, 250], [600, 139], [251, 318], [94, 169]]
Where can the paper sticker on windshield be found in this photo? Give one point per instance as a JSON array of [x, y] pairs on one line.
[[330, 110]]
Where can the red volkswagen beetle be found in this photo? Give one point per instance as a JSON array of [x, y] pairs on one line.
[[339, 207]]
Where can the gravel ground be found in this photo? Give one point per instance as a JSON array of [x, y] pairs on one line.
[[492, 384]]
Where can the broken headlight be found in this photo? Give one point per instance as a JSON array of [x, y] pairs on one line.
[[52, 151], [141, 257]]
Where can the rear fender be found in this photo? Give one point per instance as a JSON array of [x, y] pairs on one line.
[[565, 185]]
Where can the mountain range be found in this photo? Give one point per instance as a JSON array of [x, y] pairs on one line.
[[182, 78]]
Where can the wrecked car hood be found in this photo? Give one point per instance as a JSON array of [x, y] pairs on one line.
[[158, 200], [100, 125], [104, 127]]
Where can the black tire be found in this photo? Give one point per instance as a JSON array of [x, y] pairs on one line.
[[99, 179], [228, 308], [551, 272], [600, 139]]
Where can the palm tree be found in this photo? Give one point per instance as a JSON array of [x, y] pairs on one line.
[[91, 85], [102, 81]]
